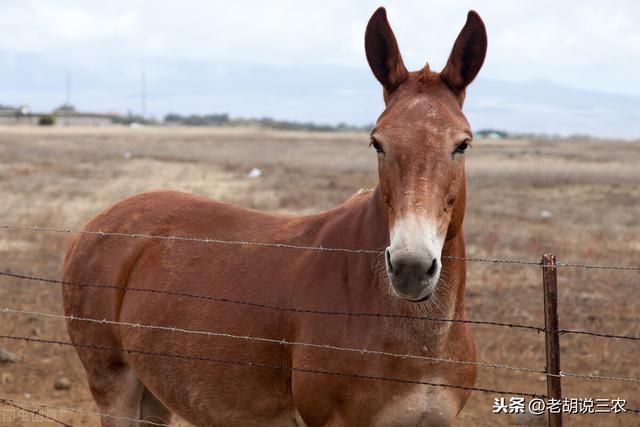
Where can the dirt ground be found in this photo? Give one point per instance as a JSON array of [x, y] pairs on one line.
[[578, 199]]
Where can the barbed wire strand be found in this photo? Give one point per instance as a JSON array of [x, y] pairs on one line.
[[318, 312], [597, 334], [589, 266], [10, 402], [268, 340], [265, 365], [594, 376], [267, 306], [496, 260], [83, 412], [313, 345], [297, 247], [187, 239]]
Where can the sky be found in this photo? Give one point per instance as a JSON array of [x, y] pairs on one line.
[[305, 60]]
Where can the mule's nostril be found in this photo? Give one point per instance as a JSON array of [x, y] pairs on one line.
[[433, 269], [387, 256]]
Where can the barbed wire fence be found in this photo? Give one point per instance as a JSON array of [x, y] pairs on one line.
[[552, 374], [207, 240]]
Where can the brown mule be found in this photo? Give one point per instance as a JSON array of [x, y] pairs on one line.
[[416, 213]]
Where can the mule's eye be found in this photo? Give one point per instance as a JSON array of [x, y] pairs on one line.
[[460, 149], [376, 145]]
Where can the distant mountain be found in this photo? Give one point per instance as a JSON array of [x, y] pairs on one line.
[[320, 93], [545, 107]]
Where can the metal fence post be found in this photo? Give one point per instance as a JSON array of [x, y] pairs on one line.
[[552, 337]]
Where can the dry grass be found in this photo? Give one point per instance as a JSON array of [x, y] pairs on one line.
[[62, 177]]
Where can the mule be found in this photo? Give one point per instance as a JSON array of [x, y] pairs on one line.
[[410, 224]]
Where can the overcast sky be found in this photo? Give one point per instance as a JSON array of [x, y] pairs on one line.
[[202, 56]]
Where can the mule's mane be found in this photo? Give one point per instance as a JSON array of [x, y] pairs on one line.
[[425, 74], [362, 191]]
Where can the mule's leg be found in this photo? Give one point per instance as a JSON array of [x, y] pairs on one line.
[[335, 421], [151, 409], [117, 392]]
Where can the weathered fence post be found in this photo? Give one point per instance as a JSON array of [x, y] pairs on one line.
[[552, 336]]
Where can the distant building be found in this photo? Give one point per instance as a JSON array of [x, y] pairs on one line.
[[491, 134], [17, 116], [66, 115]]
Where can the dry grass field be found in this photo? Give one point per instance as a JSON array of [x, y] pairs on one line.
[[589, 188]]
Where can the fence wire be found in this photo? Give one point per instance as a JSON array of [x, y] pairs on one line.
[[268, 340], [597, 334], [585, 265], [14, 402], [267, 306], [207, 240], [264, 365], [589, 376], [311, 311]]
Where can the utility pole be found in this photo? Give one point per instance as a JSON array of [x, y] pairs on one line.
[[143, 94], [67, 95]]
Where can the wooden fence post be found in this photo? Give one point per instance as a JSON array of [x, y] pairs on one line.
[[552, 336]]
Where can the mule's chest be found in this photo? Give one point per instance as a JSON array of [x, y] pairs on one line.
[[422, 406]]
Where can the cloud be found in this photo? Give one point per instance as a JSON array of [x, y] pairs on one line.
[[200, 47], [569, 42]]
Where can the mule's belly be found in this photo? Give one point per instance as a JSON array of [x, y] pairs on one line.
[[210, 379], [206, 392]]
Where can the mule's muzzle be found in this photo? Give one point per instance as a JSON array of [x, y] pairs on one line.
[[413, 275]]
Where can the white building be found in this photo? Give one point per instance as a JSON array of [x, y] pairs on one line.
[[64, 116]]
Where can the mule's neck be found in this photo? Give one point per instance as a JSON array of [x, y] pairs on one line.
[[374, 226]]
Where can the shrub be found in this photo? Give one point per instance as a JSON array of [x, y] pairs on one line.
[[47, 120]]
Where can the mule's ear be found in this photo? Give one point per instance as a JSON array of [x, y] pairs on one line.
[[467, 54], [382, 50]]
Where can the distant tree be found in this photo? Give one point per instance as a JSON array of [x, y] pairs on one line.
[[197, 120], [133, 118], [263, 122], [47, 120]]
